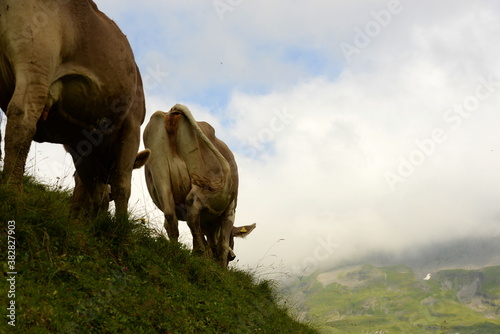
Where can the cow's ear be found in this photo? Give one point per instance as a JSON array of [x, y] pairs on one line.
[[243, 231], [141, 158]]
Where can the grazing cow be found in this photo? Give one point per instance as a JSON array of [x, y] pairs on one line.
[[192, 176], [68, 76]]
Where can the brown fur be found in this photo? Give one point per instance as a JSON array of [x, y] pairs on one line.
[[71, 79]]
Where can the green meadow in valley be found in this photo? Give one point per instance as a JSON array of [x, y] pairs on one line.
[[382, 300]]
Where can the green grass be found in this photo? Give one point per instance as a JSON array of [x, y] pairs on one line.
[[393, 300], [76, 275], [491, 285]]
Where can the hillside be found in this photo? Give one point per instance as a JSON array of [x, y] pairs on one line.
[[369, 299], [76, 275], [470, 252]]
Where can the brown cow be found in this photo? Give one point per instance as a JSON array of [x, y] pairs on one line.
[[192, 176], [68, 76]]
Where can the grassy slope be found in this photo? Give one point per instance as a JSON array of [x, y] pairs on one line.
[[81, 276], [393, 300]]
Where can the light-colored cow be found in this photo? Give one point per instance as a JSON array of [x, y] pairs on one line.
[[192, 176], [68, 76]]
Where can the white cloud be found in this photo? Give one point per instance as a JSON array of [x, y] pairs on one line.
[[326, 173]]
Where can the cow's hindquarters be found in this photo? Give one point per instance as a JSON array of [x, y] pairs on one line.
[[224, 243], [167, 177]]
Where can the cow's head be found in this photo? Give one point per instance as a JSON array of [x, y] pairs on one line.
[[238, 232], [90, 201], [98, 200]]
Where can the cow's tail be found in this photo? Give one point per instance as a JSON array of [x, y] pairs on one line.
[[226, 168]]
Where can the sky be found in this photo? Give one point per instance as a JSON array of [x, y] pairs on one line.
[[357, 125]]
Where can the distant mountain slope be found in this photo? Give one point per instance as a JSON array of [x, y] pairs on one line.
[[467, 253], [370, 299]]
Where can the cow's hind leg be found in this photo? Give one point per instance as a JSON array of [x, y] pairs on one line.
[[172, 226], [121, 189], [23, 112], [0, 137], [194, 206], [120, 180], [211, 242], [121, 172], [160, 189]]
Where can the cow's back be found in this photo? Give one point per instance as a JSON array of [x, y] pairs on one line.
[[205, 168], [209, 131]]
